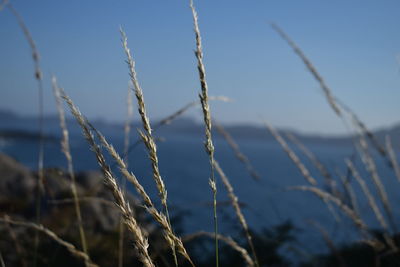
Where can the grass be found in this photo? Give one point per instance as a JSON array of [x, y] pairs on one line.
[[147, 138], [39, 78], [209, 146], [67, 152], [141, 242], [40, 228], [147, 251]]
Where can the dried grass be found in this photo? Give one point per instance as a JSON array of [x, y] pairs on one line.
[[330, 182], [67, 153], [207, 120], [174, 242], [16, 241], [392, 157], [367, 193], [141, 242], [3, 4], [368, 133], [127, 131], [304, 171], [146, 136], [329, 242], [172, 239], [168, 119], [338, 107], [128, 124], [372, 170], [40, 228], [64, 201], [310, 67], [236, 207], [39, 78], [228, 240], [349, 191], [236, 150], [314, 160], [342, 206]]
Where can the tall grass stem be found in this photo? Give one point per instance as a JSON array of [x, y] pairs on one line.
[[65, 147], [207, 121]]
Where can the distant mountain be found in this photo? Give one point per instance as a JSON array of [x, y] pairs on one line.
[[26, 135], [7, 115], [27, 126]]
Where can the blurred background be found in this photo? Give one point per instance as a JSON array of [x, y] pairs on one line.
[[354, 45]]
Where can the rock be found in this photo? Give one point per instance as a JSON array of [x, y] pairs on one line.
[[17, 185], [100, 217], [18, 196]]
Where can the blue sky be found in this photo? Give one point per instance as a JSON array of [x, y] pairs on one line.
[[353, 44]]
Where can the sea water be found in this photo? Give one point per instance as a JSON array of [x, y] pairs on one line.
[[184, 166]]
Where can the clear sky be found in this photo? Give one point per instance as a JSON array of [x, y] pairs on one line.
[[354, 45]]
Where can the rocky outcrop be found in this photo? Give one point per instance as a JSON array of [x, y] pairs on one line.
[[17, 186], [18, 196], [101, 217]]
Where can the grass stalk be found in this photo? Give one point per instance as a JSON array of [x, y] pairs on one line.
[[16, 241], [372, 170], [314, 160], [310, 67], [207, 121], [352, 199], [372, 203], [367, 159], [127, 131], [65, 147], [236, 150], [123, 168], [367, 132], [367, 193], [392, 156], [168, 119], [329, 242], [179, 112], [341, 205], [335, 104], [128, 124], [228, 240], [304, 171], [173, 241], [39, 78], [40, 228], [141, 242], [3, 4], [238, 210], [65, 201], [147, 135], [329, 181]]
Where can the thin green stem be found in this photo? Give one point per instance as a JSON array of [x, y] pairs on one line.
[[207, 120]]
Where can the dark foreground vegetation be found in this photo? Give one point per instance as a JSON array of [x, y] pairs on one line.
[[101, 222], [54, 217], [102, 219]]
